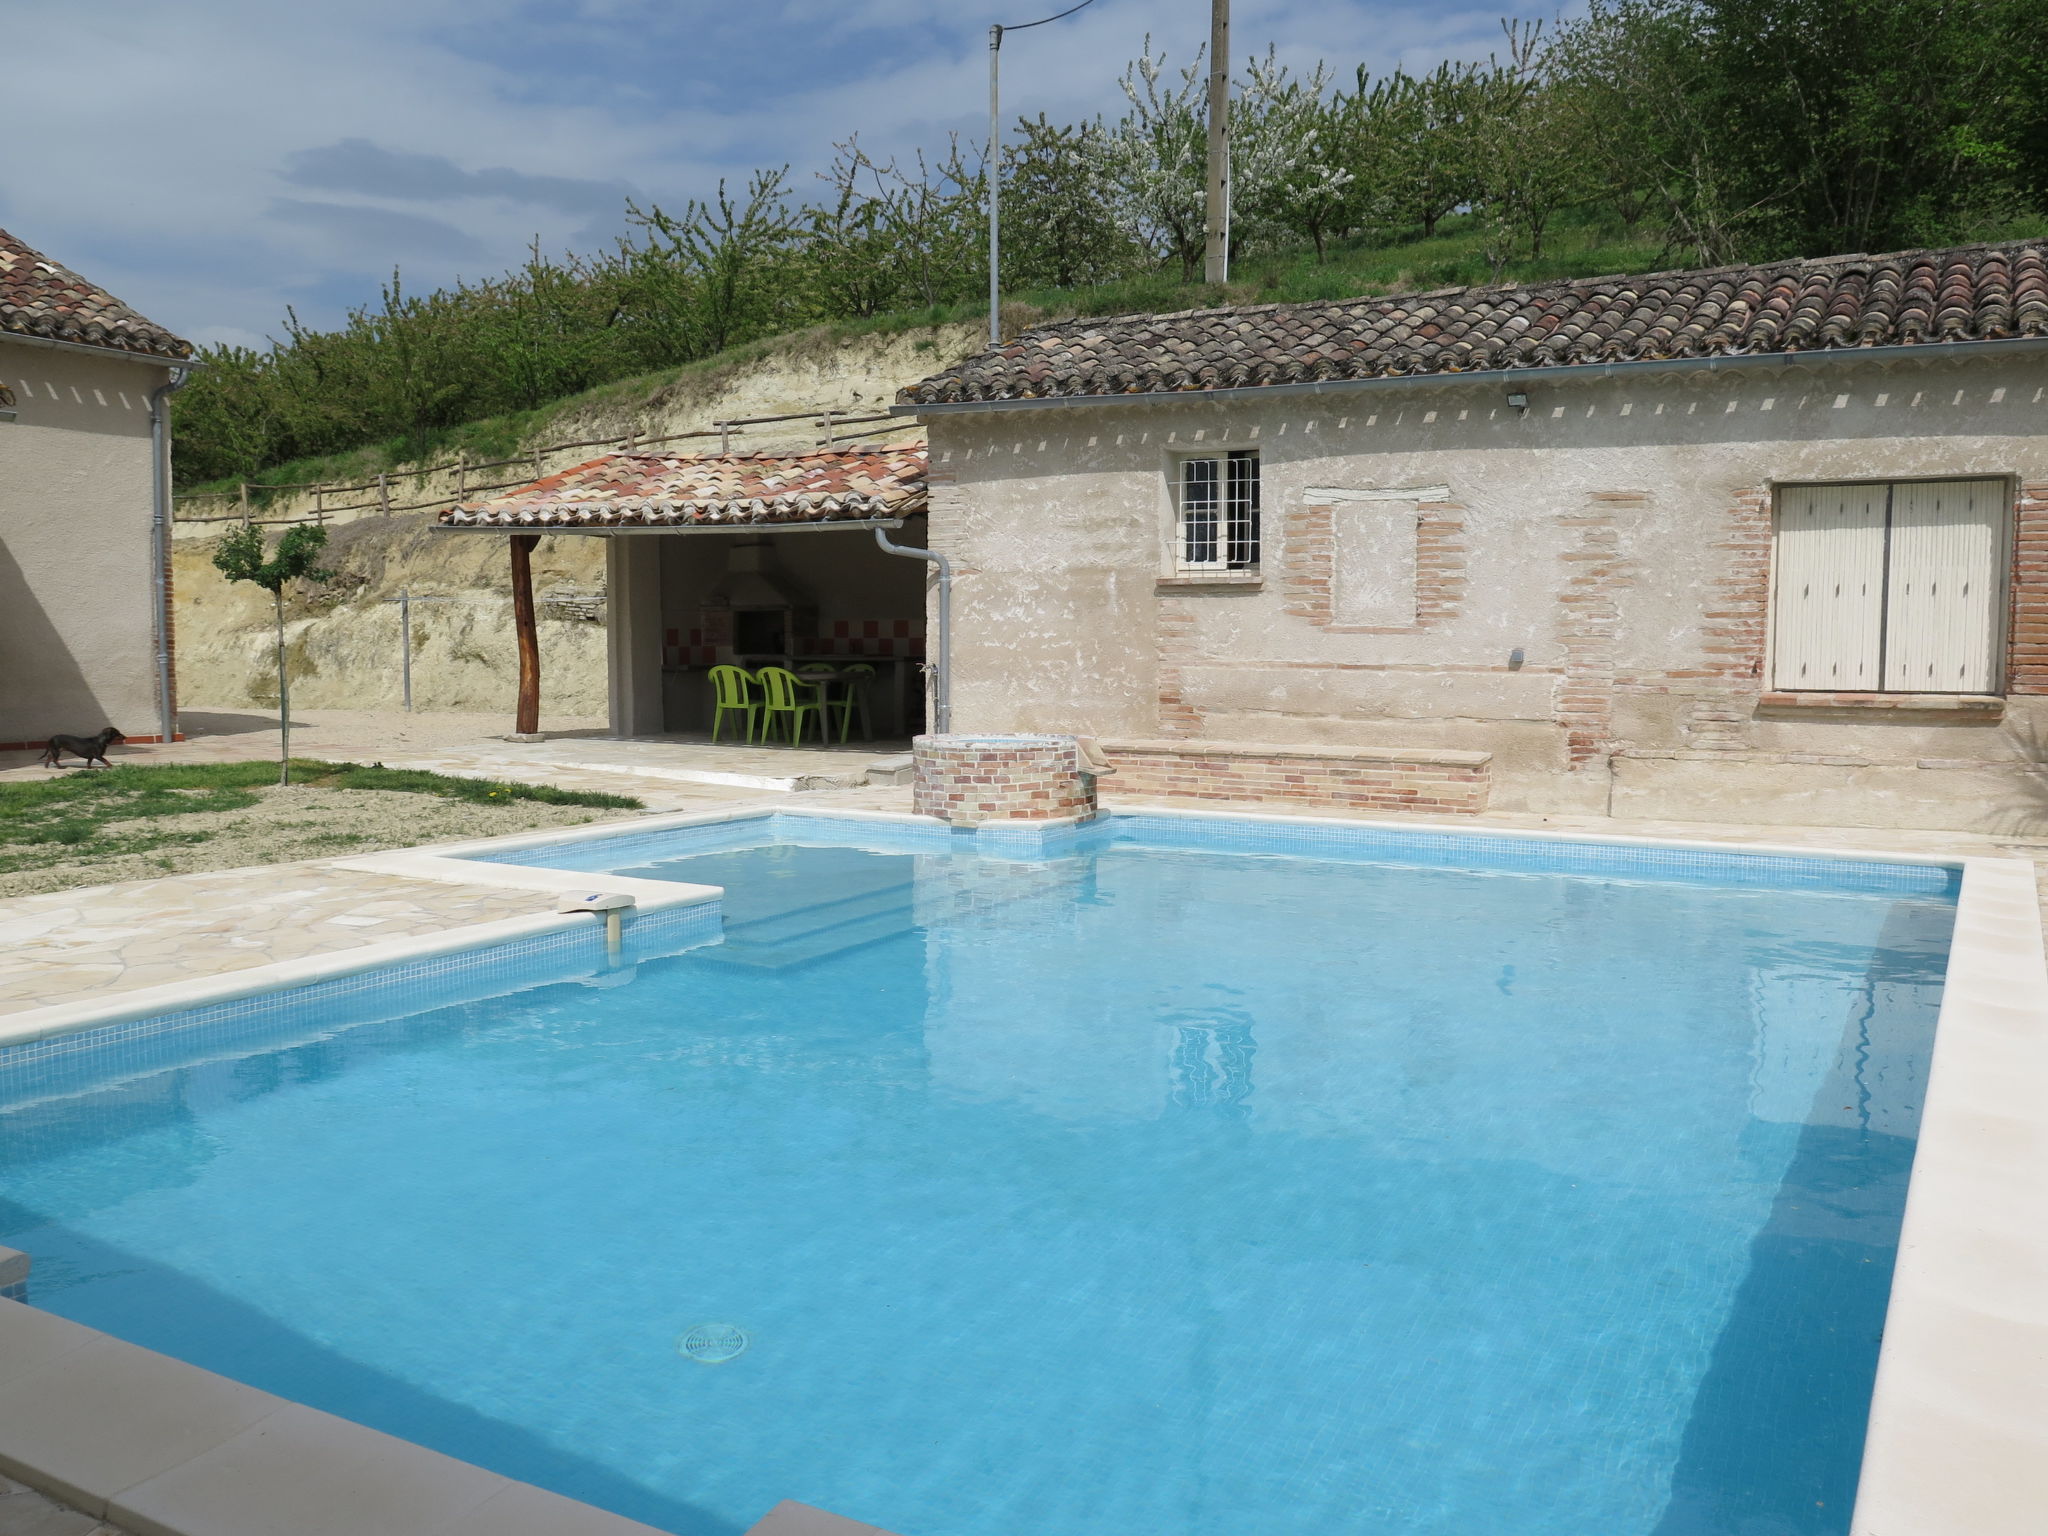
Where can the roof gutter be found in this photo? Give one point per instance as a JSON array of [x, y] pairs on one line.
[[160, 542], [90, 350], [2015, 345], [942, 666], [670, 528]]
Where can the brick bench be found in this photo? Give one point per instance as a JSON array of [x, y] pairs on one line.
[[1350, 778]]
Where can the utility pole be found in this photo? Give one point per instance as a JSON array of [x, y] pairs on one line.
[[995, 165], [1216, 256], [995, 190]]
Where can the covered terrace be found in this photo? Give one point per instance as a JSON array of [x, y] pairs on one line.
[[750, 559]]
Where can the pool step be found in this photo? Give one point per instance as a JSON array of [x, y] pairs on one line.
[[822, 928]]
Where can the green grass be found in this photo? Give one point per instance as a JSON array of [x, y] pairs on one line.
[[1579, 245], [417, 781], [89, 810]]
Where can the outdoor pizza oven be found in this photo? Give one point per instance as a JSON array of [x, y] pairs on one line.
[[755, 609]]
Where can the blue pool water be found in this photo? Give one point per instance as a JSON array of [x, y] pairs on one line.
[[1152, 1181]]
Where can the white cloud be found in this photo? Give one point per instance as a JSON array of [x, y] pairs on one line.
[[444, 134]]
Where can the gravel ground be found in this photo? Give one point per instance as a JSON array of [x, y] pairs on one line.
[[291, 823]]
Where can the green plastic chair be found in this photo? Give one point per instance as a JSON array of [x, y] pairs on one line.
[[854, 697], [792, 698], [733, 689]]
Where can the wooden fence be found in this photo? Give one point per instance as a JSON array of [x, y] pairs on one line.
[[831, 428]]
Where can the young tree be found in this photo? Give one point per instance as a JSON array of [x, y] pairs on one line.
[[1527, 161], [1305, 189], [240, 558], [1637, 87], [713, 269], [1423, 127], [1157, 154], [1060, 227], [1872, 125], [227, 423]]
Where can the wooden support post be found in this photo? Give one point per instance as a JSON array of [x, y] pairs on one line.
[[245, 501], [527, 720], [462, 475], [384, 493]]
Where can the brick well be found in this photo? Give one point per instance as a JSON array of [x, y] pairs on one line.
[[968, 780]]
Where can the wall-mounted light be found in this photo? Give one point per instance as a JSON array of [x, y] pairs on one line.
[[1515, 659], [1518, 400]]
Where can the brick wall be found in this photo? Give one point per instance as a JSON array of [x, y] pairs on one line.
[[1739, 613], [968, 780], [1589, 609], [1348, 778], [2027, 655]]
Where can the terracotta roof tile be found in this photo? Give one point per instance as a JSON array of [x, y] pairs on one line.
[[660, 490], [1972, 293], [40, 298]]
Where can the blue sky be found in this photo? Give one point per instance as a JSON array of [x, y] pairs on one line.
[[214, 161]]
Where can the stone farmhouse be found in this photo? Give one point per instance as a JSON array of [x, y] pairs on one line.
[[1766, 543], [85, 616]]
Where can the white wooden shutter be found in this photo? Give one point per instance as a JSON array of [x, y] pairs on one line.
[[1942, 620], [1828, 606]]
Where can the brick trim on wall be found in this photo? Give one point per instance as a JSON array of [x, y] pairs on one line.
[[2026, 661], [1739, 618], [1345, 778], [1309, 564], [1588, 616]]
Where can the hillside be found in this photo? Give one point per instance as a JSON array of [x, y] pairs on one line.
[[344, 637]]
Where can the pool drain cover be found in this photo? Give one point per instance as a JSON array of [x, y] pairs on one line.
[[713, 1343]]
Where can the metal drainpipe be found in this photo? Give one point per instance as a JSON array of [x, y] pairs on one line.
[[942, 681], [160, 542]]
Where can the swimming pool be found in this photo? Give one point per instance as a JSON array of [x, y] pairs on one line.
[[1164, 1176]]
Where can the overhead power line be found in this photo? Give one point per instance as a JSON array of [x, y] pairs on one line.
[[995, 165]]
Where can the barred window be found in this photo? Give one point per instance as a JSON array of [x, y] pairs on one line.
[[1218, 513]]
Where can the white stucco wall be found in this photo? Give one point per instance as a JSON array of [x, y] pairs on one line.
[[77, 646], [1058, 520]]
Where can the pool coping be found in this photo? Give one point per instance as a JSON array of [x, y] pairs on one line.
[[30, 1024], [1958, 1421]]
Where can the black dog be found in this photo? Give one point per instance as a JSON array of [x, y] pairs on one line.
[[91, 748]]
